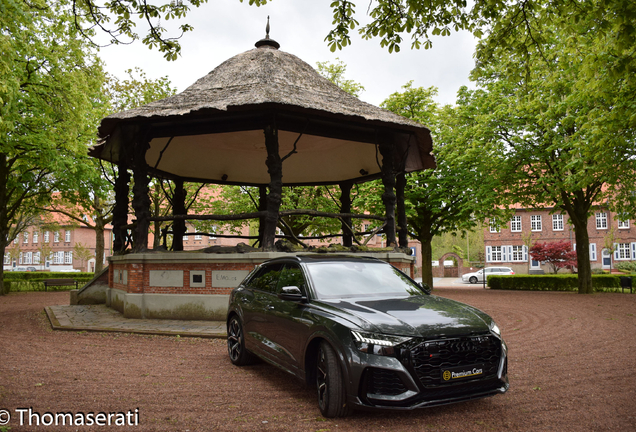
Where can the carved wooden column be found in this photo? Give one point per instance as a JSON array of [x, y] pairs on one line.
[[402, 229], [141, 198], [388, 197], [120, 212], [345, 207], [274, 198], [262, 206], [178, 208]]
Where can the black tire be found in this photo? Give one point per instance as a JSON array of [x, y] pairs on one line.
[[332, 397], [239, 355], [472, 280]]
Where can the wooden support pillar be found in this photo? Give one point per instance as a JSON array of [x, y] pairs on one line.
[[388, 197], [120, 212], [274, 198], [402, 229], [141, 198], [345, 207], [262, 206], [178, 208]]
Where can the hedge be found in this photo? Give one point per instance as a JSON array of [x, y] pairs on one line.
[[567, 282], [34, 281]]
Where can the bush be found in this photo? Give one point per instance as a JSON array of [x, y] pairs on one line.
[[627, 266], [34, 281], [567, 282]]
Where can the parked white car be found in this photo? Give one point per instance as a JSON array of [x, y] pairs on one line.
[[478, 276]]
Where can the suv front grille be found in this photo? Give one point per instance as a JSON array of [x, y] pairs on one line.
[[429, 358]]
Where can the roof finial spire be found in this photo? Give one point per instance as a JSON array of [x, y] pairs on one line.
[[267, 42]]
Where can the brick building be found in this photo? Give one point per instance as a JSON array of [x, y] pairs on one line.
[[509, 244], [55, 247]]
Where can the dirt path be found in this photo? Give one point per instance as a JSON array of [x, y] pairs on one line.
[[572, 368]]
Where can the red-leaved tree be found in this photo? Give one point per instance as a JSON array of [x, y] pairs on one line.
[[557, 254]]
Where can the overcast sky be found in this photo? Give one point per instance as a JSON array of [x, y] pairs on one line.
[[225, 28]]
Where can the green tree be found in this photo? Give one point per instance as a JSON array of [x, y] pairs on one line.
[[334, 72], [456, 195], [554, 131], [91, 203], [50, 81]]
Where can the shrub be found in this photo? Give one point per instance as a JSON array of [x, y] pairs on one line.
[[34, 281], [627, 266], [567, 282]]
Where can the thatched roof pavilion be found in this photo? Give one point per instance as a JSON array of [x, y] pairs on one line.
[[261, 118]]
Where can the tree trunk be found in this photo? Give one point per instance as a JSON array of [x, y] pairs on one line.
[[583, 254], [427, 259], [3, 248], [274, 198], [99, 243]]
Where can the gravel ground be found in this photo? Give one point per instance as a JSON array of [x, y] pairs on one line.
[[572, 367]]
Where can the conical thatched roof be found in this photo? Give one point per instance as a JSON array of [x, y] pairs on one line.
[[213, 130]]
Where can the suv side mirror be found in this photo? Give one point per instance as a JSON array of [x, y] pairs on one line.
[[427, 289], [291, 293]]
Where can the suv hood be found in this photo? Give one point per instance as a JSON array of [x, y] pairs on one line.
[[423, 316]]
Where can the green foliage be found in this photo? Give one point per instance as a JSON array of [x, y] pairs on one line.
[[626, 266], [50, 82], [118, 20], [555, 121], [567, 282], [335, 74], [456, 195]]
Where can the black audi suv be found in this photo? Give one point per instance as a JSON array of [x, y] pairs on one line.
[[365, 334]]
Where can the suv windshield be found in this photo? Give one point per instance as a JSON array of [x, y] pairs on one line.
[[359, 279]]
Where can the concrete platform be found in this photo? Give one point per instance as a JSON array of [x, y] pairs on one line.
[[100, 318]]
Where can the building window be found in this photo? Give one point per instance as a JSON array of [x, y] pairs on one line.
[[493, 226], [56, 237], [25, 235], [67, 236], [28, 257], [46, 236], [601, 220], [36, 258], [496, 254], [68, 257], [518, 253], [515, 224], [36, 236], [623, 224], [15, 240], [58, 257], [197, 236], [185, 238], [7, 258], [535, 223], [557, 222], [20, 258], [622, 251]]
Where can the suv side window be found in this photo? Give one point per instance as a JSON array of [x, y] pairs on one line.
[[292, 276], [266, 279]]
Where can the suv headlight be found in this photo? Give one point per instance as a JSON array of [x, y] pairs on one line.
[[495, 328], [376, 343]]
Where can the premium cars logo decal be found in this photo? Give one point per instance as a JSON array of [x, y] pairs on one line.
[[462, 372]]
